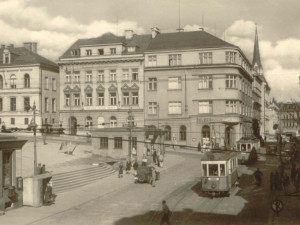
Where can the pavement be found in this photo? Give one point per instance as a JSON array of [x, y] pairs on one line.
[[58, 162]]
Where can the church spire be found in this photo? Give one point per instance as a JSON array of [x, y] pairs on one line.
[[256, 55]]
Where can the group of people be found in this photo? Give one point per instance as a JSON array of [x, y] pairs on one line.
[[128, 167], [280, 180], [41, 169]]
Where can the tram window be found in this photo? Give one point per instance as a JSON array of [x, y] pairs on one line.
[[213, 170], [249, 147], [204, 168], [243, 147], [222, 169]]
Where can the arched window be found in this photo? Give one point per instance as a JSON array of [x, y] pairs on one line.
[[168, 133], [182, 133], [113, 121], [26, 81], [1, 82], [13, 79], [89, 122]]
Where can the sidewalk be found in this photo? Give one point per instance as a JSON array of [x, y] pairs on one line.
[[77, 197]]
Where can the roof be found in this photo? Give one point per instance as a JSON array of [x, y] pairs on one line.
[[21, 56], [141, 42], [10, 143], [256, 54], [186, 40], [218, 156]]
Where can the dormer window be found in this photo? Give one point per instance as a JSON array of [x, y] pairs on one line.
[[131, 49], [6, 57], [89, 52], [101, 51], [113, 51], [75, 52]]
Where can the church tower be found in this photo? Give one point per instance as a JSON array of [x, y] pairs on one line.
[[256, 56]]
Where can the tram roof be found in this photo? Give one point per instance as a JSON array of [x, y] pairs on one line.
[[218, 156]]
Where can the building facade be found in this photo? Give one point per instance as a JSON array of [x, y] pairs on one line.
[[27, 78], [289, 118], [198, 88], [102, 82]]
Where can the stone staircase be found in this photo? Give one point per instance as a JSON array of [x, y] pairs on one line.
[[70, 180]]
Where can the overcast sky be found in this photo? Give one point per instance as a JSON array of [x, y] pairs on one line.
[[56, 24]]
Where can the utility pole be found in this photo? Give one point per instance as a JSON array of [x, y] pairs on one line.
[[130, 132], [34, 145]]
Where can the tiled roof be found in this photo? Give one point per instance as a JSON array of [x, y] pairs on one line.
[[139, 41], [22, 56], [186, 40]]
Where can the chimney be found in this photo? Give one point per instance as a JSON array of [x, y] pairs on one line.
[[31, 46], [128, 34], [155, 31]]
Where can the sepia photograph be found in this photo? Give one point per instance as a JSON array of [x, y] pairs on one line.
[[149, 112]]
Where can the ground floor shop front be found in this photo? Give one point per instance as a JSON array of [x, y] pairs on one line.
[[195, 131]]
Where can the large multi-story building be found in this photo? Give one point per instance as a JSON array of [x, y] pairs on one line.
[[198, 88], [289, 118], [102, 82], [25, 78]]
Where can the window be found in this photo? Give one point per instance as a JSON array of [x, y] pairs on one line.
[[6, 58], [53, 121], [113, 75], [88, 52], [46, 83], [118, 142], [13, 105], [152, 84], [175, 60], [135, 98], [67, 99], [126, 74], [77, 78], [12, 121], [13, 79], [26, 81], [126, 98], [1, 82], [77, 99], [46, 105], [68, 78], [174, 83], [174, 108], [205, 82], [231, 107], [205, 58], [100, 76], [100, 98], [213, 170], [205, 107], [101, 51], [53, 105], [75, 52], [113, 121], [103, 142], [113, 98], [113, 51], [204, 169], [1, 105], [152, 60], [152, 108], [89, 98], [222, 169], [135, 74], [231, 81], [53, 84], [26, 121], [168, 133], [182, 133], [131, 49], [26, 103], [88, 77], [230, 57], [89, 122]]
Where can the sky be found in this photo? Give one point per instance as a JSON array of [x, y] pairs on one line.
[[56, 24]]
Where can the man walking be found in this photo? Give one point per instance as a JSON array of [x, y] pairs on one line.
[[166, 214]]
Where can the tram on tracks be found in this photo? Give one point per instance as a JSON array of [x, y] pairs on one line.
[[246, 148], [219, 172]]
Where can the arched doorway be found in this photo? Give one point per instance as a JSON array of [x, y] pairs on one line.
[[205, 135], [73, 125]]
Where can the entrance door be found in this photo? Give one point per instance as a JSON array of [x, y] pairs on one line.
[[205, 135], [73, 125]]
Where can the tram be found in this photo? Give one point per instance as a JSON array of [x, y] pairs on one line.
[[219, 172], [247, 150]]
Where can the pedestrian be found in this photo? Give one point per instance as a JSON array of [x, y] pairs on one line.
[[154, 156], [48, 194], [43, 169], [120, 170], [144, 160], [161, 160], [135, 165], [286, 183], [39, 168], [278, 182], [258, 174], [272, 181], [153, 177], [128, 166], [166, 213], [199, 147]]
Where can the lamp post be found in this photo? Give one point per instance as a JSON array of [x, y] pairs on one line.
[[130, 132], [34, 126]]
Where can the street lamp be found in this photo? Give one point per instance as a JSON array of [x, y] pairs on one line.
[[33, 125]]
